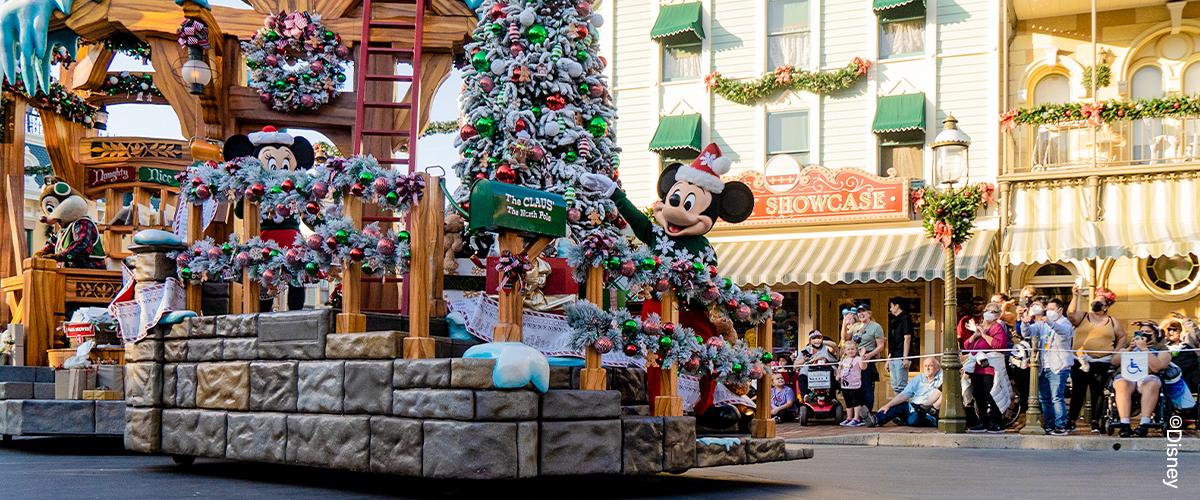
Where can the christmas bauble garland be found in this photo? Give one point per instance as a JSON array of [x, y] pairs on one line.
[[949, 214], [1103, 112], [59, 100], [130, 84], [661, 343], [316, 77], [749, 92]]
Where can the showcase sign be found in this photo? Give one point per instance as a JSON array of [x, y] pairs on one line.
[[786, 195]]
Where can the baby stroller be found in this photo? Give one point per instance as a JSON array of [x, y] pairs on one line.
[[1110, 419], [820, 403]]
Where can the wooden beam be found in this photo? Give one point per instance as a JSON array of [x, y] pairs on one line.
[[12, 164], [91, 68], [41, 298], [763, 425], [246, 107], [62, 137], [15, 206], [167, 57], [593, 376], [426, 252]]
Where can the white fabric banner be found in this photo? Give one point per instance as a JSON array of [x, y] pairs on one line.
[[1135, 365], [136, 317]]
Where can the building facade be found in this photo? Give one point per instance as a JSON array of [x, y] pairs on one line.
[[800, 150], [1110, 203]]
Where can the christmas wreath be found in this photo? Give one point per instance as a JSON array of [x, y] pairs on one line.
[[949, 215], [296, 64]]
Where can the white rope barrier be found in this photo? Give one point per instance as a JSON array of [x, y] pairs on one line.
[[974, 351]]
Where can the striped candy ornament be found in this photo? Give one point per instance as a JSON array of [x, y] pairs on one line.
[[193, 33]]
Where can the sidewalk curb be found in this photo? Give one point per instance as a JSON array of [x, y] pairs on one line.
[[1005, 442]]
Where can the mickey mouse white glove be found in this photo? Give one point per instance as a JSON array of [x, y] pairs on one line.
[[597, 183]]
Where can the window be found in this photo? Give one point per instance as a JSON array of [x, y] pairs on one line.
[[1053, 144], [787, 33], [1144, 134], [907, 159], [787, 133], [902, 30], [1191, 79], [680, 62], [1170, 277]]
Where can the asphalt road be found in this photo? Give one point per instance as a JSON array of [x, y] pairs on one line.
[[69, 469]]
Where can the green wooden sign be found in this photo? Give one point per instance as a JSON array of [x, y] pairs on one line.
[[162, 176], [496, 205]]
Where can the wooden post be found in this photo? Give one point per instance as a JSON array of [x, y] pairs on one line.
[[436, 199], [250, 228], [763, 425], [12, 166], [592, 377], [424, 239], [508, 329], [351, 320], [42, 297], [669, 403], [195, 229]]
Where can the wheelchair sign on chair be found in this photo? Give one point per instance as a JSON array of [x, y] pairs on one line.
[[1135, 365]]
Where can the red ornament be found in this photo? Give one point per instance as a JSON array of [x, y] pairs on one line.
[[380, 186], [313, 241], [715, 341], [313, 208], [467, 131], [631, 350], [662, 285], [743, 312], [596, 90], [732, 305], [287, 185], [515, 49], [266, 253], [603, 345], [537, 153], [202, 192], [710, 293], [292, 257], [498, 11], [331, 242], [556, 102], [521, 125], [692, 365], [583, 8], [357, 189], [385, 247], [1175, 105], [506, 174], [650, 328], [257, 189], [668, 328], [356, 254], [196, 182], [763, 306], [573, 215], [320, 189], [283, 211], [627, 269]]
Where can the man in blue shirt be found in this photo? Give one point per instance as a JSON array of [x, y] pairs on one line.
[[1051, 333], [917, 405]]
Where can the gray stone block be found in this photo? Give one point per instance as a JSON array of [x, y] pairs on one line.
[[151, 266], [199, 433], [365, 345], [368, 387], [199, 350], [580, 447], [471, 373], [527, 449], [237, 325], [110, 417], [320, 386], [245, 349], [576, 405], [716, 455], [143, 429], [679, 444], [797, 453], [185, 385], [36, 416], [434, 403], [3, 417], [470, 450], [636, 411], [631, 383], [202, 327], [43, 374], [179, 330], [339, 442], [260, 437], [16, 390], [642, 451], [169, 386], [273, 386], [18, 374], [421, 373], [764, 450], [44, 390], [175, 351], [144, 350], [560, 377], [506, 405], [396, 445], [294, 335], [143, 384], [224, 385]]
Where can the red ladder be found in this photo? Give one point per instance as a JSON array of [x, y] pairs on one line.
[[363, 75]]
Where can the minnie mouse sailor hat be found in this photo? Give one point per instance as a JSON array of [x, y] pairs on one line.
[[706, 170], [270, 136]]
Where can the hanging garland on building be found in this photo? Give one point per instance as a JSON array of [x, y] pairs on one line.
[[59, 100], [949, 215], [446, 127], [1103, 76], [1103, 112], [320, 62], [130, 84], [749, 92], [130, 46]]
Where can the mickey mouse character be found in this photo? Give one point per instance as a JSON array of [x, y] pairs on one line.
[[77, 242], [691, 199], [276, 150]]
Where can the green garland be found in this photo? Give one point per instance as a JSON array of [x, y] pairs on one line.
[[60, 100], [949, 215], [446, 127], [784, 78], [130, 46], [39, 171], [1103, 112], [1103, 76]]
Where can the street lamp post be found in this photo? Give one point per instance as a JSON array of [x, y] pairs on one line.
[[950, 164], [1033, 415]]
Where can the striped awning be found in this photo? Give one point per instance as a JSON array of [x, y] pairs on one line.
[[851, 259], [1049, 223]]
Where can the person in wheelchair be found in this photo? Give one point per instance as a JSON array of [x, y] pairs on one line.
[[1148, 339], [819, 351]]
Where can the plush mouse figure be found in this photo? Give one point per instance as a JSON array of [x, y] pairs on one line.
[[276, 150], [77, 243], [691, 199]]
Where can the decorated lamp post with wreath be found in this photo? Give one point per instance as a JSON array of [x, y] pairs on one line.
[[949, 215]]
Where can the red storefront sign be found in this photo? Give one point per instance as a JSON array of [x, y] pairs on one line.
[[111, 175], [817, 195]]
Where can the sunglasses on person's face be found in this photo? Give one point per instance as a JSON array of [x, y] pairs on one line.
[[1172, 329]]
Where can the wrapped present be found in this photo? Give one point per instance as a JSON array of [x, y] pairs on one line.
[[101, 395], [111, 378], [70, 384], [548, 285]]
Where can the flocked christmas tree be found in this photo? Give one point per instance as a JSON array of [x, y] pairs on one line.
[[536, 109]]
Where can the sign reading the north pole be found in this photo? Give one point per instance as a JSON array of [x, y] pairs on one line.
[[496, 205], [786, 195], [111, 175]]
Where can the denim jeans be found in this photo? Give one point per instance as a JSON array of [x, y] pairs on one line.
[[1052, 388], [898, 373], [907, 415]]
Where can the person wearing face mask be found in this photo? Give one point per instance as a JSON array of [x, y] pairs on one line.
[[1095, 333], [870, 345], [989, 335], [966, 322], [1052, 333], [1145, 339]]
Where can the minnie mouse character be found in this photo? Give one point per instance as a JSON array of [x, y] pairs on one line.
[[691, 199], [276, 150], [77, 242]]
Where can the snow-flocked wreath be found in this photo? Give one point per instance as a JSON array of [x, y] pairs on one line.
[[317, 73]]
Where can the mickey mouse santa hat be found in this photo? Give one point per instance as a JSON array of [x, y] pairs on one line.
[[706, 170]]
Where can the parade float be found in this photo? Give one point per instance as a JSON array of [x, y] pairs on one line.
[[553, 376]]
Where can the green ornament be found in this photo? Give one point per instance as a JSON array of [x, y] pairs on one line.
[[311, 269], [569, 195], [597, 126], [537, 111], [479, 61], [185, 273], [613, 263], [699, 339], [571, 156], [226, 249], [272, 36], [192, 193], [629, 325], [698, 266], [664, 342], [581, 55], [366, 178], [496, 28], [486, 126], [493, 161], [366, 268], [329, 34], [306, 77], [341, 236], [276, 189], [767, 357], [648, 264], [583, 89], [341, 78], [274, 253], [737, 368], [251, 64], [469, 153], [536, 34], [402, 235], [391, 197], [727, 282]]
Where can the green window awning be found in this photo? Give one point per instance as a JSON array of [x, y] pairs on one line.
[[882, 5], [898, 9], [678, 24], [677, 134], [899, 113]]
